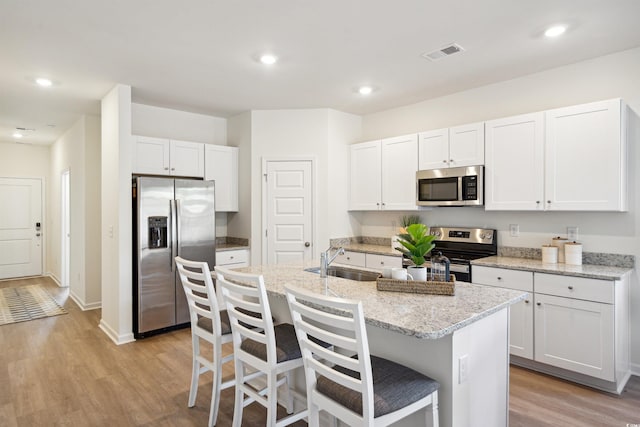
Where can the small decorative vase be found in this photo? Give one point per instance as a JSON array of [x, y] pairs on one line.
[[418, 273]]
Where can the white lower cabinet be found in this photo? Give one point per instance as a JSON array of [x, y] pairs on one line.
[[521, 313], [235, 258], [372, 261], [576, 335], [578, 324]]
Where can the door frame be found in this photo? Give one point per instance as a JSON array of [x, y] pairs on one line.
[[65, 228], [314, 200], [43, 225]]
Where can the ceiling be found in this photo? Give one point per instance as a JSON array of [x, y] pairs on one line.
[[201, 55]]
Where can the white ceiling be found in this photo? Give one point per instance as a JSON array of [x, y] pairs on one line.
[[200, 55]]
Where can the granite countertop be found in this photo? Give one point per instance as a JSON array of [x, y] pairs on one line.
[[417, 315], [371, 249], [590, 271], [221, 247]]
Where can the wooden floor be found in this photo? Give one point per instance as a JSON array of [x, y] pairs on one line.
[[64, 371]]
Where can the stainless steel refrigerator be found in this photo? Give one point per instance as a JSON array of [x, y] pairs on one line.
[[170, 217]]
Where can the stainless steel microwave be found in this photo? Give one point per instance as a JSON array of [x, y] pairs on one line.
[[450, 187]]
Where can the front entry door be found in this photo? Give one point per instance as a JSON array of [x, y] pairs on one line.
[[289, 211], [21, 227]]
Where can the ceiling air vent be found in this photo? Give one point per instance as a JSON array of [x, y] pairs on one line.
[[442, 52]]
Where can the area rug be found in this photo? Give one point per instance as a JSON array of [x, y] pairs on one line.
[[27, 303]]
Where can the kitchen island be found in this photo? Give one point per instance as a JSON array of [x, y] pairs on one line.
[[462, 341]]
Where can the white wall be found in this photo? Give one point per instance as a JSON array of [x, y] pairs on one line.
[[310, 133], [161, 122], [117, 298], [606, 77], [30, 161], [78, 151], [239, 132]]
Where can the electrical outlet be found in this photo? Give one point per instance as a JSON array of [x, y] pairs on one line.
[[463, 369], [572, 233], [514, 230]]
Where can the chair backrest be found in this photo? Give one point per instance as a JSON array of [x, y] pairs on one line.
[[201, 295], [245, 297], [339, 322]]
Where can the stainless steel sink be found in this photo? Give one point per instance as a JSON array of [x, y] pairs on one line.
[[347, 273]]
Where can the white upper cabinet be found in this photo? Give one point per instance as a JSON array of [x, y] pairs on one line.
[[433, 149], [151, 155], [221, 166], [452, 147], [399, 167], [187, 158], [514, 163], [383, 174], [466, 145], [158, 156], [585, 157], [567, 159], [365, 170]]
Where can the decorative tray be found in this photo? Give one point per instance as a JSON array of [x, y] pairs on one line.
[[418, 287]]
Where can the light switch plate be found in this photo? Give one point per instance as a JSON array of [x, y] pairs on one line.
[[514, 230], [572, 233]]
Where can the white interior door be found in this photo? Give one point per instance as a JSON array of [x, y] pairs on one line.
[[289, 211], [20, 227]]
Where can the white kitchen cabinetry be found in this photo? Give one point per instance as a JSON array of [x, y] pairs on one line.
[[578, 324], [221, 166], [452, 147], [158, 156], [521, 313], [378, 262], [567, 159], [235, 258], [585, 157], [367, 260], [514, 163], [383, 174], [356, 259]]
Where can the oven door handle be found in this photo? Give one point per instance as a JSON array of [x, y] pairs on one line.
[[454, 268]]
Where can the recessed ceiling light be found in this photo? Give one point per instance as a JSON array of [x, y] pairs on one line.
[[268, 59], [365, 90], [17, 135], [41, 81], [555, 31]]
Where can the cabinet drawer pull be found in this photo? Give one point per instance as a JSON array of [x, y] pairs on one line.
[[570, 288], [538, 303], [166, 169], [526, 301], [348, 257], [499, 278], [381, 262], [444, 161], [231, 257]]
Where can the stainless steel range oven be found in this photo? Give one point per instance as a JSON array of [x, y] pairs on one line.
[[461, 245]]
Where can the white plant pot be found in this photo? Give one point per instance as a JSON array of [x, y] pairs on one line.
[[418, 273]]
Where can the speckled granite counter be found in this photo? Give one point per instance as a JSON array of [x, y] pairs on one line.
[[227, 243], [372, 249], [591, 271], [417, 315], [221, 247]]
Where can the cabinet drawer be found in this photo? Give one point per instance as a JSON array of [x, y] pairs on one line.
[[575, 287], [381, 261], [240, 256], [356, 259], [511, 279]]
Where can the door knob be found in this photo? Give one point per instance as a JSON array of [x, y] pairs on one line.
[[307, 244]]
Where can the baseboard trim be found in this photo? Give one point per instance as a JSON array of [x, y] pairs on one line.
[[55, 279], [84, 306], [115, 337], [635, 369]]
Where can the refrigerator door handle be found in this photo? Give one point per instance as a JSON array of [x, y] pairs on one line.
[[172, 224], [178, 227]]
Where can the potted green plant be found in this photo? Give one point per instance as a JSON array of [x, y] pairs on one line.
[[405, 221], [416, 243]]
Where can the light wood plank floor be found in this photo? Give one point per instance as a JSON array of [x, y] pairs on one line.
[[64, 371]]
